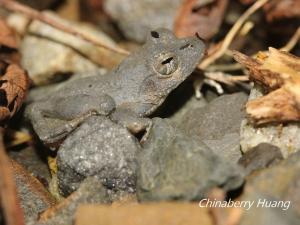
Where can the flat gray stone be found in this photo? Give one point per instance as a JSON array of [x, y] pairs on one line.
[[33, 196], [218, 124], [98, 148], [280, 182], [260, 157], [173, 165], [49, 54], [260, 215], [136, 18], [90, 191]]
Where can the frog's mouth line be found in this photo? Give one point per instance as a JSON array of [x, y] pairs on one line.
[[153, 104], [153, 108]]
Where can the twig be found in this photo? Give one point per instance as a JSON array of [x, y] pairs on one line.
[[231, 34], [292, 42], [36, 15], [224, 216], [234, 217], [224, 67], [226, 78], [13, 213], [219, 215]]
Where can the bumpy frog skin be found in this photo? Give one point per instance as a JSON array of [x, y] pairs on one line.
[[128, 94]]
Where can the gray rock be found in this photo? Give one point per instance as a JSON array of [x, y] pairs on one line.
[[136, 18], [173, 165], [90, 191], [46, 68], [34, 197], [34, 161], [218, 124], [266, 215], [284, 136], [280, 182], [56, 53], [99, 148], [260, 157], [191, 104]]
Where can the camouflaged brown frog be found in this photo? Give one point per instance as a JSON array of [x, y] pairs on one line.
[[127, 95]]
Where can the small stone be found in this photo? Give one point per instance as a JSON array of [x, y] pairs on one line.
[[285, 136], [33, 196], [218, 125], [260, 215], [98, 148], [279, 182], [34, 162], [137, 18], [183, 100], [173, 165], [259, 157], [46, 68], [90, 191], [192, 104], [66, 54]]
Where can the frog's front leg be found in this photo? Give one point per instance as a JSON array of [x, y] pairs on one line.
[[58, 133], [135, 124], [53, 120]]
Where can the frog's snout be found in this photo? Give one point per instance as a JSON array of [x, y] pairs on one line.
[[201, 42], [196, 46]]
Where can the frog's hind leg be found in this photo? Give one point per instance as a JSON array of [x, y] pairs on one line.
[[53, 124], [41, 125], [50, 130], [69, 113]]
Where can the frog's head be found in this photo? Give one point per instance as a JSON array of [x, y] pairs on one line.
[[170, 61]]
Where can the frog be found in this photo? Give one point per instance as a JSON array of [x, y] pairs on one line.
[[127, 95]]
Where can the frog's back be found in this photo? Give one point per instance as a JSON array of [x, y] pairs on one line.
[[93, 85]]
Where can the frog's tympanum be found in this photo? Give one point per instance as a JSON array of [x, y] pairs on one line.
[[127, 95]]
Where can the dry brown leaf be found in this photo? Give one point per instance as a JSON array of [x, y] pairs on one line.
[[98, 4], [224, 216], [147, 214], [246, 2], [279, 73], [8, 43], [7, 36], [14, 84], [202, 17], [278, 9], [24, 177], [10, 204]]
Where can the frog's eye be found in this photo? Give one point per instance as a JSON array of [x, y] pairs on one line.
[[166, 65]]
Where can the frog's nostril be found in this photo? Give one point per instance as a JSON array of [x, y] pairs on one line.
[[188, 45], [155, 34]]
